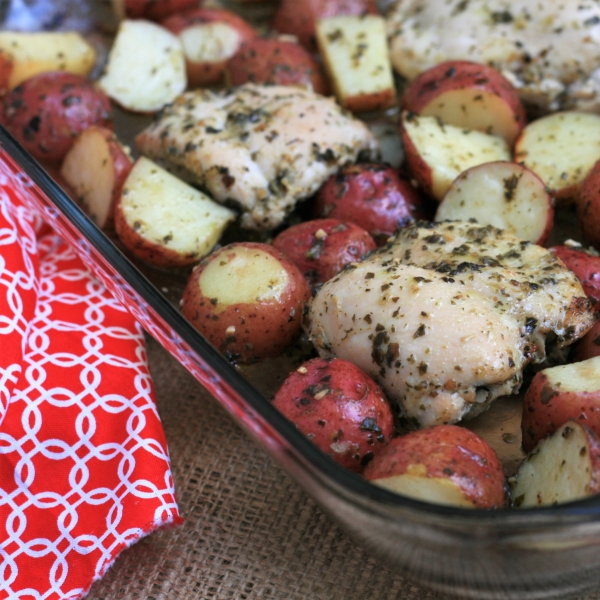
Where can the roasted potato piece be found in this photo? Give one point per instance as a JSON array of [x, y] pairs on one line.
[[247, 300], [339, 408], [47, 112], [586, 266]]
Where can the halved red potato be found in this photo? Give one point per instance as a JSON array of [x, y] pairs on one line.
[[469, 95], [276, 61], [372, 196], [47, 112], [356, 57], [585, 265], [437, 153], [164, 221], [339, 408], [560, 393], [209, 37], [561, 148], [154, 10], [562, 468], [445, 464], [503, 194], [589, 345], [44, 51], [95, 169], [588, 206], [247, 300], [146, 67], [299, 17], [321, 248]]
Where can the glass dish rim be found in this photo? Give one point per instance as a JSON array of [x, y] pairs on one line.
[[580, 511]]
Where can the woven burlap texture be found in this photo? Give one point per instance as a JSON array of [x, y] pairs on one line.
[[250, 532]]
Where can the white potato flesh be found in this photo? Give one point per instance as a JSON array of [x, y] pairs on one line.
[[503, 194], [210, 42], [146, 67], [167, 211], [88, 168], [449, 150], [560, 469], [356, 55], [561, 148], [475, 109], [246, 276], [577, 377], [41, 52], [428, 489]]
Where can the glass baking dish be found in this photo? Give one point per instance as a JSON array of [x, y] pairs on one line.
[[538, 553]]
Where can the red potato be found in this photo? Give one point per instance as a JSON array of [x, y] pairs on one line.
[[47, 112], [467, 94], [372, 196], [562, 468], [278, 62], [247, 300], [561, 148], [560, 393], [445, 464], [339, 408], [155, 10], [95, 169], [588, 206], [503, 194], [323, 247], [585, 265], [164, 221], [299, 17], [210, 37], [589, 345], [437, 153]]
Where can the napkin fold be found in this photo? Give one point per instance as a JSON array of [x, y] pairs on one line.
[[84, 465]]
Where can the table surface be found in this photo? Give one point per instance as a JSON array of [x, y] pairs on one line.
[[250, 532]]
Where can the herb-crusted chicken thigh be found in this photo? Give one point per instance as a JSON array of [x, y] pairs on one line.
[[548, 49], [447, 315], [259, 148]]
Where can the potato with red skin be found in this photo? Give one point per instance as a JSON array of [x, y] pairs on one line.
[[588, 206], [278, 62], [587, 268], [372, 196], [558, 394], [339, 408], [47, 112], [6, 67], [321, 248], [247, 299], [299, 17], [445, 464], [467, 94], [155, 10], [210, 37]]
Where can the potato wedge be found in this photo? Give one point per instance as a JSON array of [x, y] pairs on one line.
[[146, 67], [356, 57], [95, 168], [561, 148], [562, 468], [165, 221], [40, 52], [503, 194], [437, 153]]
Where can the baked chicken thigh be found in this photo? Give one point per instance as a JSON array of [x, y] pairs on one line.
[[446, 316]]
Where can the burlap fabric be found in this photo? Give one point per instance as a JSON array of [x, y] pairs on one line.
[[250, 531]]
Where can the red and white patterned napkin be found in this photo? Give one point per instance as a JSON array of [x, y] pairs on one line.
[[84, 466]]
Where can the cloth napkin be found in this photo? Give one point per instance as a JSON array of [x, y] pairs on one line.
[[84, 465]]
